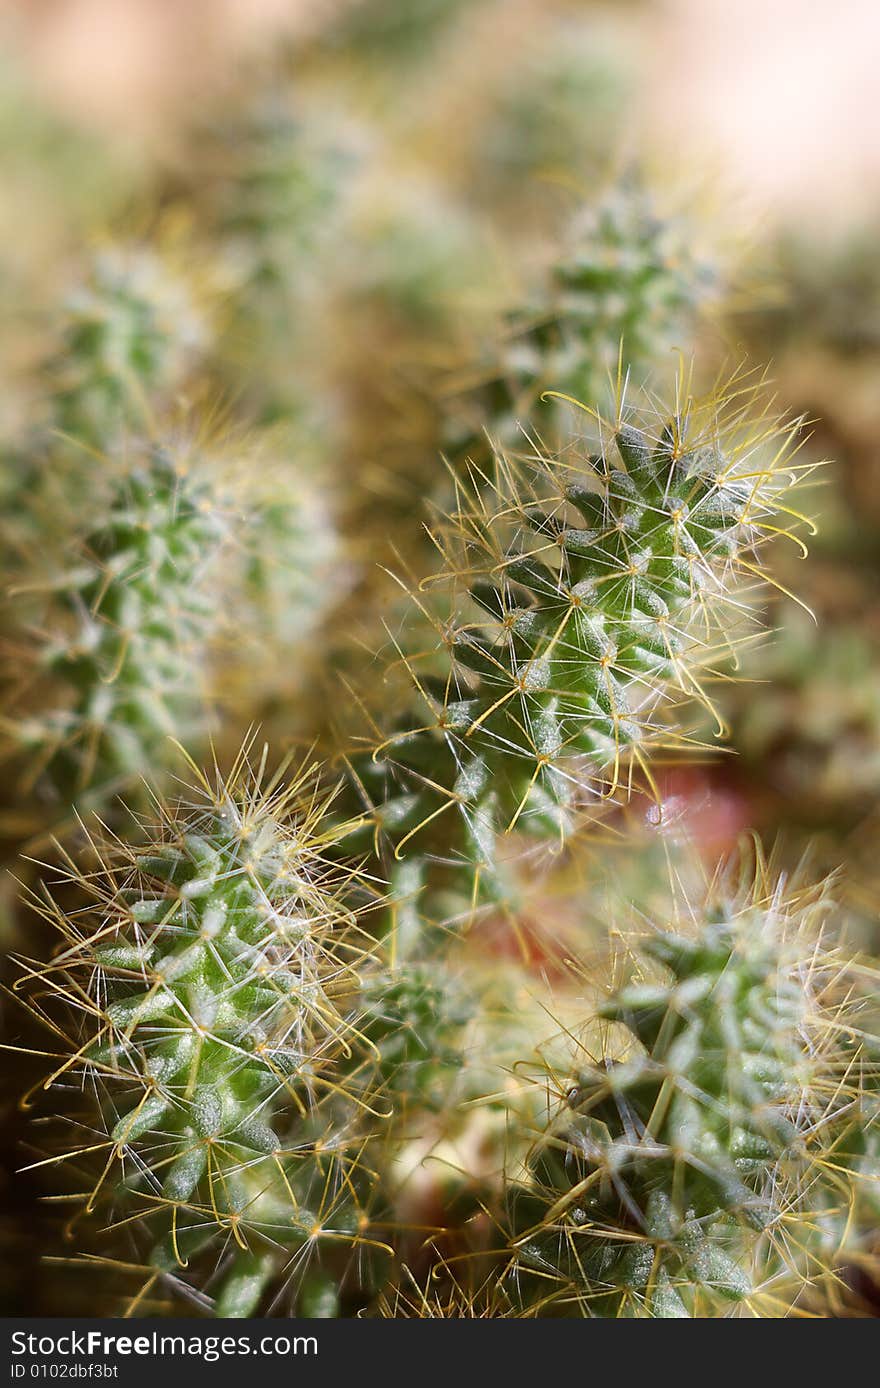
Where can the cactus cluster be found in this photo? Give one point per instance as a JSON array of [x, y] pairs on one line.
[[366, 1038]]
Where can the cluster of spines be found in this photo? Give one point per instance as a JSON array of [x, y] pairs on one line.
[[688, 1167], [586, 599], [210, 985], [845, 1229]]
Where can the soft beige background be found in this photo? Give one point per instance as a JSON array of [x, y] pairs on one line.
[[776, 99], [781, 95]]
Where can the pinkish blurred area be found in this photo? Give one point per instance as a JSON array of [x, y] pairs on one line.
[[773, 103]]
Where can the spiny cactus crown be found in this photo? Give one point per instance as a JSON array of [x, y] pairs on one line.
[[586, 608], [206, 972], [670, 1185]]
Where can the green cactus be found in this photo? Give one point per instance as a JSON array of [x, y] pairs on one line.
[[845, 1232], [590, 593], [415, 1302], [134, 333], [419, 258], [116, 666], [209, 983], [625, 294], [294, 568], [270, 182], [416, 1019], [273, 198], [399, 34], [183, 595], [686, 1171]]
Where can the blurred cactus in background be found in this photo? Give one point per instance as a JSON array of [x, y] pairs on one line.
[[374, 417], [134, 336], [265, 182], [627, 291], [396, 33], [123, 637], [61, 181], [556, 116], [585, 597]]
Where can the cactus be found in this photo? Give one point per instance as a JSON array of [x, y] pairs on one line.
[[115, 627], [401, 35], [121, 646], [415, 1302], [420, 256], [687, 1169], [268, 191], [208, 985], [846, 1229], [415, 1019], [293, 566], [625, 294], [182, 597], [591, 593], [275, 195], [134, 333]]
